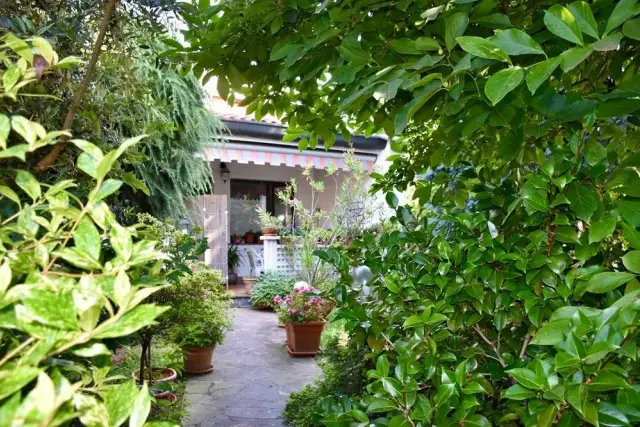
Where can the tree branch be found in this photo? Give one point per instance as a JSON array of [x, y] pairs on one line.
[[491, 344], [51, 157], [523, 351]]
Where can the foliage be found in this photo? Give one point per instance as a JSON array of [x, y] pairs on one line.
[[63, 294], [302, 305], [181, 248], [344, 369], [267, 220], [200, 312], [316, 228], [165, 354], [233, 257], [507, 294], [269, 285]]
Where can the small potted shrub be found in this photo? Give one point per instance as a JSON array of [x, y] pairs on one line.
[[268, 286], [233, 261], [250, 237], [270, 224], [201, 318], [236, 239], [303, 312]]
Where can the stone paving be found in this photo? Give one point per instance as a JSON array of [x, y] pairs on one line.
[[252, 377]]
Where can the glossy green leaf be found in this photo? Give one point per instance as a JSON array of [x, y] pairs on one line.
[[583, 198], [29, 184], [584, 16], [631, 29], [518, 392], [630, 210], [526, 378], [540, 72], [602, 228], [516, 42], [455, 26], [503, 82], [624, 10], [483, 48], [562, 23], [605, 282], [631, 261], [552, 333]]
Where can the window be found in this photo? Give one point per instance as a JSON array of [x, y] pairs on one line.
[[246, 196]]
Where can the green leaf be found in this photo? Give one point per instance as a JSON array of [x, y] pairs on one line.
[[630, 210], [482, 48], [413, 322], [610, 415], [351, 50], [563, 24], [443, 394], [584, 200], [632, 261], [29, 184], [516, 42], [547, 416], [552, 333], [121, 241], [5, 128], [617, 108], [132, 181], [567, 234], [607, 381], [631, 29], [87, 238], [624, 10], [422, 96], [573, 57], [107, 188], [598, 351], [119, 402], [141, 316], [602, 228], [381, 405], [582, 12], [594, 151], [526, 378], [503, 82], [382, 365], [473, 388], [455, 26], [477, 420], [16, 379], [141, 408], [604, 282], [517, 392], [78, 258], [632, 235], [53, 308], [608, 43], [427, 43], [540, 72]]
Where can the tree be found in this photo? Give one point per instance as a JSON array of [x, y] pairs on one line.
[[507, 293]]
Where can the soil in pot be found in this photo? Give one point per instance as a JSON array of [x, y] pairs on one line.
[[197, 360], [303, 339], [159, 375]]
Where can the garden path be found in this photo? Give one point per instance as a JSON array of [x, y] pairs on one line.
[[252, 377]]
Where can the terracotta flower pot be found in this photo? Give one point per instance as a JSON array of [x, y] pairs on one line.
[[169, 397], [269, 231], [303, 339], [250, 238], [197, 360], [160, 375]]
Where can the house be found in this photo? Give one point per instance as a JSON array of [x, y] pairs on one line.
[[252, 167]]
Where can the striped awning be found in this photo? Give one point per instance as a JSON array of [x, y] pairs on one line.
[[283, 156]]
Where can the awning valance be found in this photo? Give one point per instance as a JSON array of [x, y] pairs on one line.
[[283, 156]]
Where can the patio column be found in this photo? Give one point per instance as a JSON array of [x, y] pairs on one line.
[[270, 254]]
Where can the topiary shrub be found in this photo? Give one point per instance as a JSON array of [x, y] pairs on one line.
[[269, 285]]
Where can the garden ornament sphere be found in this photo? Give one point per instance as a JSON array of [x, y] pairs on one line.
[[301, 285]]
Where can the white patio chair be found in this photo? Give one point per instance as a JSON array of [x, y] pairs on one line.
[[256, 262]]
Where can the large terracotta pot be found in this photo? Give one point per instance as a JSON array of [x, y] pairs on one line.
[[250, 238], [197, 360], [303, 339]]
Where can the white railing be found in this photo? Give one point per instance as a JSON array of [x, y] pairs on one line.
[[277, 258]]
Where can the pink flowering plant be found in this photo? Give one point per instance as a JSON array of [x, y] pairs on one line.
[[302, 305]]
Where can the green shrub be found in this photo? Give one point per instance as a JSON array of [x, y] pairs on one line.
[[70, 275], [344, 368], [200, 313], [269, 285]]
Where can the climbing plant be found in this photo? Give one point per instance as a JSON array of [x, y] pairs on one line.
[[507, 293]]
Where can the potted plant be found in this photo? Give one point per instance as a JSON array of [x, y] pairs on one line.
[[270, 224], [303, 312], [236, 239], [250, 237], [201, 318], [233, 261]]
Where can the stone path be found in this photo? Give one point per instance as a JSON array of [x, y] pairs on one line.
[[252, 377]]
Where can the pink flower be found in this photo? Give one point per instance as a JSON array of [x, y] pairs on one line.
[[293, 311], [277, 299]]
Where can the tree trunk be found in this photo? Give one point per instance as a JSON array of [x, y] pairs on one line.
[[51, 157]]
